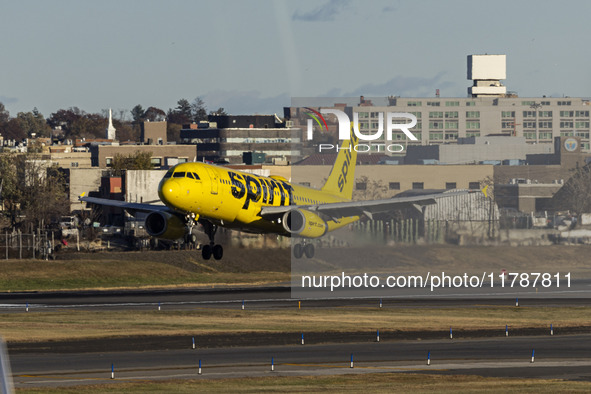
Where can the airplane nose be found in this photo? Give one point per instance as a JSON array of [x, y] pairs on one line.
[[170, 192]]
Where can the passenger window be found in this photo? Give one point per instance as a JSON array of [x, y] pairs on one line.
[[179, 175]]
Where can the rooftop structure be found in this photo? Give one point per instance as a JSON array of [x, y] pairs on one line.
[[111, 129]]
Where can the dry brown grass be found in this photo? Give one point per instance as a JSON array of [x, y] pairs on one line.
[[375, 383], [79, 324]]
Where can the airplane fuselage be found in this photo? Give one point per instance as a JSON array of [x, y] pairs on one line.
[[234, 199]]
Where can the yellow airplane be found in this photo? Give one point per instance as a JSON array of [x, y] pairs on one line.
[[214, 196]]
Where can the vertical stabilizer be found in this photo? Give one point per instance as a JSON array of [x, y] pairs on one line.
[[342, 176]]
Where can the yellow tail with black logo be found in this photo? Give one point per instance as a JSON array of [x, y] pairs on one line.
[[341, 180]]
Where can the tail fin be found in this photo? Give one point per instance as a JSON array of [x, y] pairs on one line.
[[342, 176]]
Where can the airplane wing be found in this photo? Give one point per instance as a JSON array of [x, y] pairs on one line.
[[339, 210], [129, 206]]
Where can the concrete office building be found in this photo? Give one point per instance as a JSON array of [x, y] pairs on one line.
[[227, 138], [489, 109]]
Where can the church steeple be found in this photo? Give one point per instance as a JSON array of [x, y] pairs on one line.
[[110, 129]]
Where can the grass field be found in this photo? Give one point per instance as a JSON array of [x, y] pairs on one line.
[[137, 270], [83, 324], [375, 383], [111, 270]]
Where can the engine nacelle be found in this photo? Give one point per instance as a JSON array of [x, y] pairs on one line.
[[165, 225], [304, 223]]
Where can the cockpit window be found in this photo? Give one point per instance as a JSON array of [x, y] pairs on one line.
[[179, 175], [168, 174], [196, 176]]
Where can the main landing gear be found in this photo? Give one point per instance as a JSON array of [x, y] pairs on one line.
[[217, 251], [304, 248]]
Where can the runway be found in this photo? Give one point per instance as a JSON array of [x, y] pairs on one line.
[[59, 364], [555, 357], [253, 297]]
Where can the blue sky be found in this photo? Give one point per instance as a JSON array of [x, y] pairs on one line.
[[253, 56]]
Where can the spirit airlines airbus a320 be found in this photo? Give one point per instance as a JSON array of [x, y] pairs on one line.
[[214, 196]]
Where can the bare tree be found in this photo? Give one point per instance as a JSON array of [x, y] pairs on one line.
[[575, 195]]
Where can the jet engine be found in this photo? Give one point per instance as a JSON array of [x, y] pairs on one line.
[[165, 225], [304, 223]]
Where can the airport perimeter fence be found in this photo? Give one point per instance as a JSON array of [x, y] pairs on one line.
[[413, 231], [17, 245], [407, 231]]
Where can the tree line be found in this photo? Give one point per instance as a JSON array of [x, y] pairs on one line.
[[75, 123]]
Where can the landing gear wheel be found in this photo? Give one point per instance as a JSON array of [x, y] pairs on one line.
[[206, 252], [298, 251], [212, 249], [218, 252], [309, 250]]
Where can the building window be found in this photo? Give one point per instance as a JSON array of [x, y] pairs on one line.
[[474, 185], [451, 125], [451, 135], [452, 103], [472, 114], [109, 161], [414, 103], [582, 114], [418, 185], [528, 103], [507, 124], [470, 103], [564, 103], [529, 135], [508, 114], [417, 114], [529, 125], [471, 124], [361, 186], [435, 136], [74, 164], [394, 185], [182, 160], [434, 115], [546, 135], [363, 115], [450, 185], [433, 103], [545, 124], [581, 125], [437, 125], [545, 114], [451, 115], [566, 124], [472, 133], [529, 114], [156, 161], [567, 114], [568, 133], [545, 102]]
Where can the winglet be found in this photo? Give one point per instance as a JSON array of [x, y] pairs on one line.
[[484, 190]]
